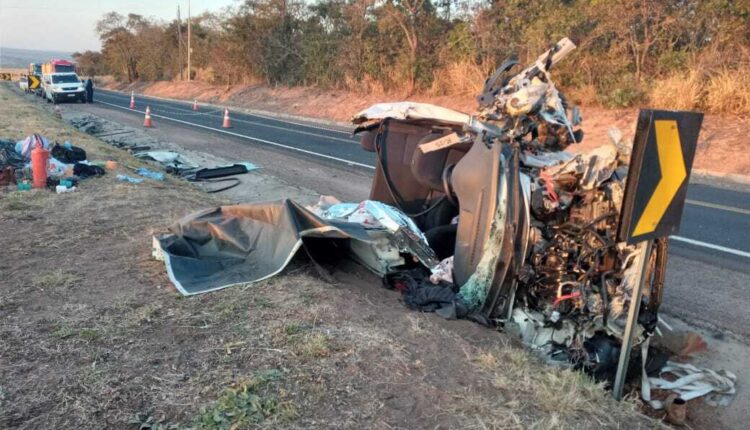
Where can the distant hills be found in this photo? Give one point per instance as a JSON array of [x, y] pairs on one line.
[[15, 58]]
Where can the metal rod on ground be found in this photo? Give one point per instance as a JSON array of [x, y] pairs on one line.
[[635, 305], [113, 134]]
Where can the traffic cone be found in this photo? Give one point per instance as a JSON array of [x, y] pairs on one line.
[[227, 122], [195, 105], [147, 118], [132, 100]]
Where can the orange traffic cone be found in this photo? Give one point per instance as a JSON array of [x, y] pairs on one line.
[[195, 105], [147, 118], [227, 122], [132, 100]]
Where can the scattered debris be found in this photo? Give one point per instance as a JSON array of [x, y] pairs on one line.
[[173, 161], [157, 176], [127, 178], [231, 245], [186, 164], [534, 251], [36, 161], [691, 382]]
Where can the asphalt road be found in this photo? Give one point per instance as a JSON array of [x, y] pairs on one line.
[[708, 281]]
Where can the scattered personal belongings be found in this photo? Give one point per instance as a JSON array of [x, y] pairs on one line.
[[422, 295], [63, 189], [35, 161], [85, 170], [68, 153], [25, 146], [127, 178], [9, 157]]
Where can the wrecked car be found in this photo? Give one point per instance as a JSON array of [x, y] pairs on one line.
[[482, 216], [535, 245]]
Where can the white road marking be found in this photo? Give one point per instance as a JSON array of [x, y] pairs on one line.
[[221, 113], [720, 248], [268, 142], [718, 206], [252, 114], [711, 246]]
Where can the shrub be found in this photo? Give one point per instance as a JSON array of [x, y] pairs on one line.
[[682, 91]]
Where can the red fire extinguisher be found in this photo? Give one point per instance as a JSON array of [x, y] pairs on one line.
[[39, 160]]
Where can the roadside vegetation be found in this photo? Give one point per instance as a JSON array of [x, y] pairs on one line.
[[687, 54]]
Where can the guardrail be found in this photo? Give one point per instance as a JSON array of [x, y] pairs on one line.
[[11, 74]]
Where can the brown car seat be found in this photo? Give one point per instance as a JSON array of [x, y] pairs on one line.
[[475, 181]]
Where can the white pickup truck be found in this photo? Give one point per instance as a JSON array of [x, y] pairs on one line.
[[59, 87]]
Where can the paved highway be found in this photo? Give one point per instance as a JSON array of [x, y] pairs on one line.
[[715, 219], [708, 274]]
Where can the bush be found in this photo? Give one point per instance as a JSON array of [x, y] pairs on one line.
[[682, 91], [460, 78], [625, 96], [728, 91]]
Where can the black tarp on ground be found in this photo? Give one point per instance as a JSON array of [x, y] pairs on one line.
[[229, 245]]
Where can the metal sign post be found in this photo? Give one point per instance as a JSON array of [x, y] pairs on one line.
[[658, 176], [635, 304]]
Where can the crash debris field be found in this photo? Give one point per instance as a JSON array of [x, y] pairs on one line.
[[95, 336], [490, 279]]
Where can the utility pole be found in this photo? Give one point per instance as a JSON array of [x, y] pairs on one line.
[[188, 53], [179, 40]]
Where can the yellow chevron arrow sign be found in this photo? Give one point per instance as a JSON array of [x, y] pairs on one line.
[[33, 82], [661, 160], [673, 173]]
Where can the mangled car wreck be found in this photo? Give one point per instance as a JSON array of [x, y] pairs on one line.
[[483, 216]]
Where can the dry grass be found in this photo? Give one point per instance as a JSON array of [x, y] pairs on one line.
[[722, 91], [366, 85], [585, 95], [728, 91], [459, 79], [561, 398], [58, 278], [679, 91]]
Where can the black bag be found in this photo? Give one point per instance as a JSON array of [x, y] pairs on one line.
[[85, 171], [9, 156], [70, 155]]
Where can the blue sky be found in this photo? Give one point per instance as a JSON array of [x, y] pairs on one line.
[[68, 25]]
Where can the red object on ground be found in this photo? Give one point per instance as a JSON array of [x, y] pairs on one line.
[[132, 100], [195, 105], [39, 159], [147, 118], [227, 123]]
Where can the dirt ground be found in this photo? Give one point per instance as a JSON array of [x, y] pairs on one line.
[[722, 149], [94, 336]]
